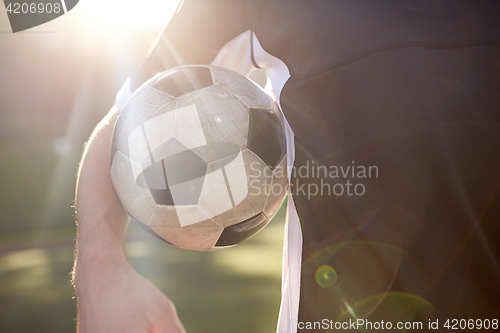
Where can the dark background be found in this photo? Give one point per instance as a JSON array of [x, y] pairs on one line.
[[56, 82]]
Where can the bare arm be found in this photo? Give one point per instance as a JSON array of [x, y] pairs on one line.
[[101, 220]]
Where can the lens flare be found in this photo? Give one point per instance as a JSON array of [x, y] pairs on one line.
[[326, 276]]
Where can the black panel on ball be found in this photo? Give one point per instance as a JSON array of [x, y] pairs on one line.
[[185, 173], [162, 197], [176, 179], [239, 232], [181, 81], [266, 137]]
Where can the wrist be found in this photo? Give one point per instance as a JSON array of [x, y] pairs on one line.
[[93, 264]]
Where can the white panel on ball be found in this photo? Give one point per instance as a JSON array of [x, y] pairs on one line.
[[214, 198], [237, 178], [191, 132], [257, 174], [146, 105], [137, 200], [223, 118], [189, 215], [243, 89], [201, 236], [138, 149], [159, 129]]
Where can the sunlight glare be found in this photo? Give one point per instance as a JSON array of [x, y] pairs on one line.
[[125, 14]]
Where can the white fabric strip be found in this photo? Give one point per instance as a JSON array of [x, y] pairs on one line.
[[278, 74], [236, 55]]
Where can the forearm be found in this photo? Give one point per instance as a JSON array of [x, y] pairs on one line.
[[101, 221]]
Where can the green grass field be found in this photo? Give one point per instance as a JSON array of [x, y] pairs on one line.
[[232, 290]]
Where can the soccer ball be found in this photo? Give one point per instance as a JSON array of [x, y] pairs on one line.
[[199, 157]]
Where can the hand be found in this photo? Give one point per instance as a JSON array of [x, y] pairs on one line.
[[112, 296], [117, 299]]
